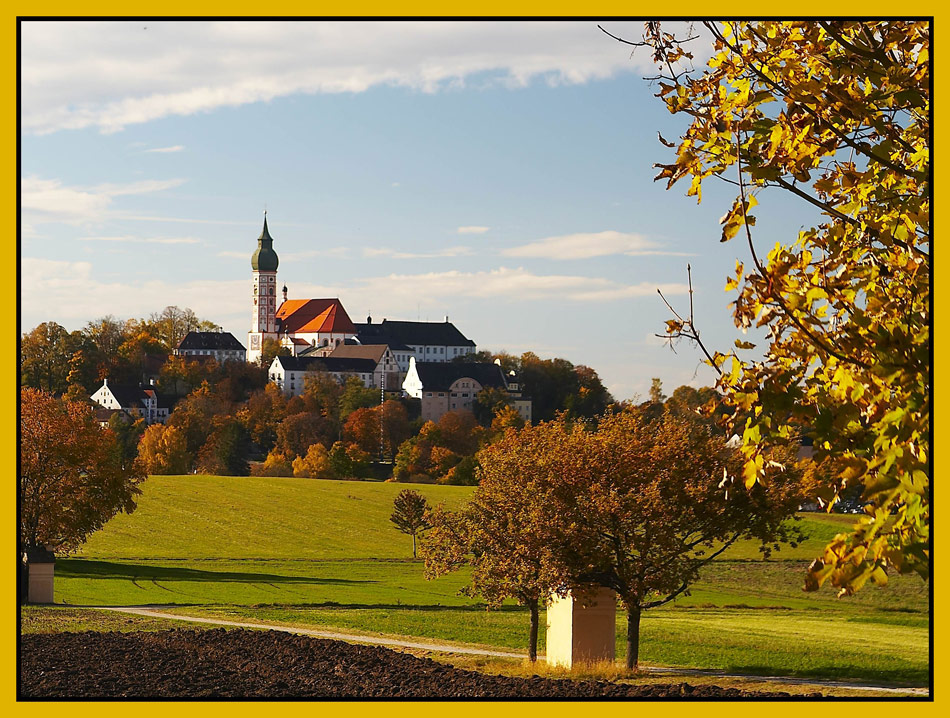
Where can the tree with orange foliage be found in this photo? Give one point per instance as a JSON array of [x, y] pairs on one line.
[[503, 533], [73, 477], [637, 506], [362, 427]]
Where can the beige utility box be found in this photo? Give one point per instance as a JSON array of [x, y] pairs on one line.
[[582, 634], [40, 564]]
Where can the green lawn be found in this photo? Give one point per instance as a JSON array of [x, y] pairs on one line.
[[244, 517], [324, 554]]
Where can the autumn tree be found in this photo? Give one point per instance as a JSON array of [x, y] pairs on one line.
[[348, 461], [362, 428], [410, 514], [556, 385], [181, 375], [835, 114], [315, 464], [275, 464], [262, 414], [128, 432], [138, 344], [356, 396], [637, 506], [236, 381], [298, 432], [459, 432], [506, 417], [501, 535], [170, 325], [195, 414], [164, 450], [44, 353], [463, 473], [224, 452], [271, 348], [488, 402], [73, 476], [414, 456], [438, 448], [81, 380]]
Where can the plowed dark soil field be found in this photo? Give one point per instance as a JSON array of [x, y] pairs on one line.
[[269, 664]]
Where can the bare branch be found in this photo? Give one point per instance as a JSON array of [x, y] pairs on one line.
[[691, 332]]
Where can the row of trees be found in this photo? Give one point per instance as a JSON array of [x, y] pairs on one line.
[[330, 431], [554, 385], [55, 360]]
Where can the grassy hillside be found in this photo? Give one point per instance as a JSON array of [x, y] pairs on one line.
[[244, 517], [247, 517]]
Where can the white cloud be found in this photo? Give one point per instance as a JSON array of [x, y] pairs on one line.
[[589, 244], [113, 74], [396, 254], [406, 292], [174, 148], [472, 230], [140, 187], [190, 220], [143, 240], [49, 200], [73, 293], [331, 252]]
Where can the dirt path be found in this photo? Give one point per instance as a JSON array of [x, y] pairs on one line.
[[156, 612]]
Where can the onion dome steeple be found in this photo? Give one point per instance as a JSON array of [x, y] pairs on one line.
[[265, 258]]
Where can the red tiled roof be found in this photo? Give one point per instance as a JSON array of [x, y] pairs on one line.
[[309, 316]]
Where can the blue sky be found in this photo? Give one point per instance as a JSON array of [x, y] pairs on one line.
[[500, 174]]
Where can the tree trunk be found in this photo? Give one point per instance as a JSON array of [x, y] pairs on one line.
[[533, 635], [633, 637], [413, 545]]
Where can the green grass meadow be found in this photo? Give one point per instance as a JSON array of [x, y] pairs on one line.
[[323, 554]]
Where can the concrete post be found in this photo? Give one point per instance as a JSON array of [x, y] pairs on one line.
[[40, 565], [581, 634]]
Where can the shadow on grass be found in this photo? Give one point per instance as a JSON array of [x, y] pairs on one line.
[[84, 568]]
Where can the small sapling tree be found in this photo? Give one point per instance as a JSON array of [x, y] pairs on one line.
[[411, 514]]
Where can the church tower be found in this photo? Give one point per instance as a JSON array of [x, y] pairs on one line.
[[263, 319]]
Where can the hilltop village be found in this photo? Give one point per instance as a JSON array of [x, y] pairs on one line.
[[309, 337]]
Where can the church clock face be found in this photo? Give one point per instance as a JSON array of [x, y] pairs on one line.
[[255, 341]]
